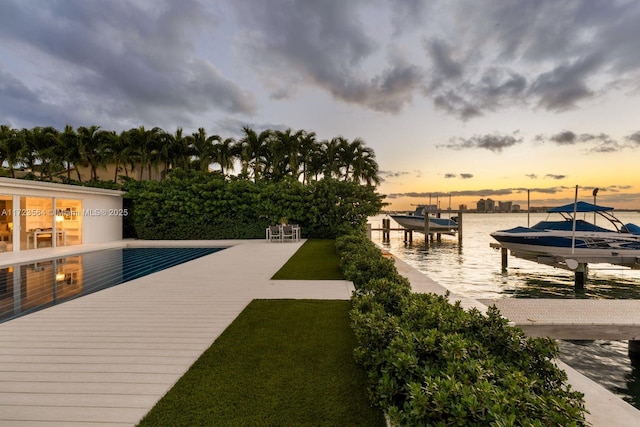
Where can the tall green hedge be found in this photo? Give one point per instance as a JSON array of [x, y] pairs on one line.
[[432, 363], [198, 205]]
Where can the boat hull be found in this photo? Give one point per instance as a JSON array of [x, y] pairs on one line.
[[592, 245], [416, 223]]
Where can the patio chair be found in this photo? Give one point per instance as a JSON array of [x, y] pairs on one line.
[[275, 234], [288, 233]]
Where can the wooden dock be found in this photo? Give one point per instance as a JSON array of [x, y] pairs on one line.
[[573, 319], [408, 233]]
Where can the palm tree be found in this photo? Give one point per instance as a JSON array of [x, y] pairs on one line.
[[143, 145], [316, 163], [7, 133], [71, 149], [365, 167], [225, 152], [285, 152], [174, 150], [203, 148], [253, 154], [331, 150], [12, 146], [37, 151], [307, 149]]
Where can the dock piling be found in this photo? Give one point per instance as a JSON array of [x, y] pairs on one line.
[[580, 276]]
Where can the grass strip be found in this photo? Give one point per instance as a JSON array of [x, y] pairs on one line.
[[317, 259], [280, 363]]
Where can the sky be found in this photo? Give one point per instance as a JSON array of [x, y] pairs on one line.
[[460, 100]]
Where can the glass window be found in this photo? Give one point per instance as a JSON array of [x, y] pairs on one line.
[[69, 221], [36, 222], [6, 223]]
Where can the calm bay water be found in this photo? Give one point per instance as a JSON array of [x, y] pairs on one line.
[[473, 269]]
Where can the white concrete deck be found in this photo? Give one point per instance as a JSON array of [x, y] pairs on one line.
[[105, 359]]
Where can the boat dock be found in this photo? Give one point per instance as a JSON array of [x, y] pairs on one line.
[[429, 230], [574, 319]]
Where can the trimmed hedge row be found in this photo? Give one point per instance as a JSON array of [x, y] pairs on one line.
[[431, 362], [197, 205]]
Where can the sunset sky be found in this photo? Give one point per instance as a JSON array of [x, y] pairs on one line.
[[469, 98]]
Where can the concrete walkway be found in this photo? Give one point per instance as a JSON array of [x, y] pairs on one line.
[[105, 359]]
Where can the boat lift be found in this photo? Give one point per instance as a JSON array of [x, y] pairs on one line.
[[576, 263]]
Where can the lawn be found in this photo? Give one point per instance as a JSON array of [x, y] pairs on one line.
[[316, 259], [281, 362]]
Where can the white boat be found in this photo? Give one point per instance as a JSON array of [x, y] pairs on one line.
[[415, 221], [571, 241]]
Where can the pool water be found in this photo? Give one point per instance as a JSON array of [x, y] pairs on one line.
[[25, 288]]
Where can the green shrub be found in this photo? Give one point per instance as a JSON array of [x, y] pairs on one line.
[[198, 205], [430, 362]]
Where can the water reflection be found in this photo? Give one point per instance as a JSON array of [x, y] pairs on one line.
[[39, 285], [607, 363], [29, 287]]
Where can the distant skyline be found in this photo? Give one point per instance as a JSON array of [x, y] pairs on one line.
[[473, 99]]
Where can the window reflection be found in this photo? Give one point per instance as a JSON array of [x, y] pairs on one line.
[[39, 285]]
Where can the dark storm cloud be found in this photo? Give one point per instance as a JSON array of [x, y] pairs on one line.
[[118, 59], [552, 55], [565, 85], [491, 142], [132, 60], [323, 44]]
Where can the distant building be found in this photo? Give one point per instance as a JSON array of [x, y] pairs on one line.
[[463, 208], [486, 205], [505, 206], [515, 208]]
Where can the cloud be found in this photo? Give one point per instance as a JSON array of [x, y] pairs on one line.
[[480, 193], [564, 138], [393, 174], [634, 138], [117, 60], [604, 143], [532, 176], [323, 44], [552, 176], [565, 85], [461, 176], [491, 142], [550, 55]]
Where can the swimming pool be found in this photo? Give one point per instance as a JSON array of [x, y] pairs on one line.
[[29, 287]]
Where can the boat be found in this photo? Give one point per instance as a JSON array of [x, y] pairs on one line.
[[570, 241], [415, 221]]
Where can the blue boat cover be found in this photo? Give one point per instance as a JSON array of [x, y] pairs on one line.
[[632, 228], [581, 207]]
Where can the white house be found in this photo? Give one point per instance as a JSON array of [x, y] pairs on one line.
[[33, 212]]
